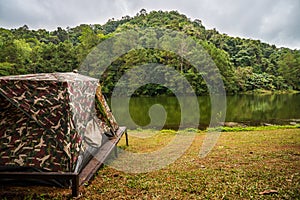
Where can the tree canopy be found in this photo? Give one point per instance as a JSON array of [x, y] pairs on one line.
[[245, 64]]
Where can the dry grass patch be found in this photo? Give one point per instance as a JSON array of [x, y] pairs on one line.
[[241, 166]]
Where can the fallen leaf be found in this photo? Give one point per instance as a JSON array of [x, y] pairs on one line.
[[266, 192]]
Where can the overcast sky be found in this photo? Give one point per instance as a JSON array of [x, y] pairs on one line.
[[273, 21]]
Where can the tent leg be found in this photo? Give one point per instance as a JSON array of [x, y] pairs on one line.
[[116, 151], [126, 135], [75, 186]]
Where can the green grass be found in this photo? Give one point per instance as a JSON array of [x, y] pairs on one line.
[[241, 165], [254, 128]]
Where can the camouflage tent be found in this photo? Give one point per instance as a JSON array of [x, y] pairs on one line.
[[52, 122]]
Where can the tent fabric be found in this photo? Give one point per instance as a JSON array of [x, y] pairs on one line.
[[52, 121]]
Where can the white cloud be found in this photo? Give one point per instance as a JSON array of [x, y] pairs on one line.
[[273, 21]]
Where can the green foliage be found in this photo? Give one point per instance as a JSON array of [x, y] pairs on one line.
[[6, 69], [245, 64], [289, 68]]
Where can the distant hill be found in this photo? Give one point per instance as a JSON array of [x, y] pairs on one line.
[[246, 65]]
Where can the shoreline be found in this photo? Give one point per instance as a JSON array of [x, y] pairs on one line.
[[267, 92], [236, 128]]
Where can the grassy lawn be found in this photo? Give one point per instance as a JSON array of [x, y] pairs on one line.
[[241, 166]]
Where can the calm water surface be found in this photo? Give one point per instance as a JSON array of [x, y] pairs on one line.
[[248, 109]]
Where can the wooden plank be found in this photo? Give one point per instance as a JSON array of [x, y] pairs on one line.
[[97, 161], [38, 175], [45, 176]]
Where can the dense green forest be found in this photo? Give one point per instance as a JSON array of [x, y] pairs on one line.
[[246, 65]]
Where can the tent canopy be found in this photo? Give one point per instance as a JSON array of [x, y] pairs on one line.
[[52, 122]]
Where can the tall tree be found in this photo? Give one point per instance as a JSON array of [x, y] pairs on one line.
[[289, 67]]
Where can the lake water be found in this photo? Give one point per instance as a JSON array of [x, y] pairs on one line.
[[246, 109]]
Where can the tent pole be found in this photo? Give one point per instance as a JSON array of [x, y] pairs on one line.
[[126, 136]]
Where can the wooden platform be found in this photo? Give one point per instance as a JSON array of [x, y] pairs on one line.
[[77, 179]]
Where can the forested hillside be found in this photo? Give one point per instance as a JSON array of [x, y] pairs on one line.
[[245, 64]]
